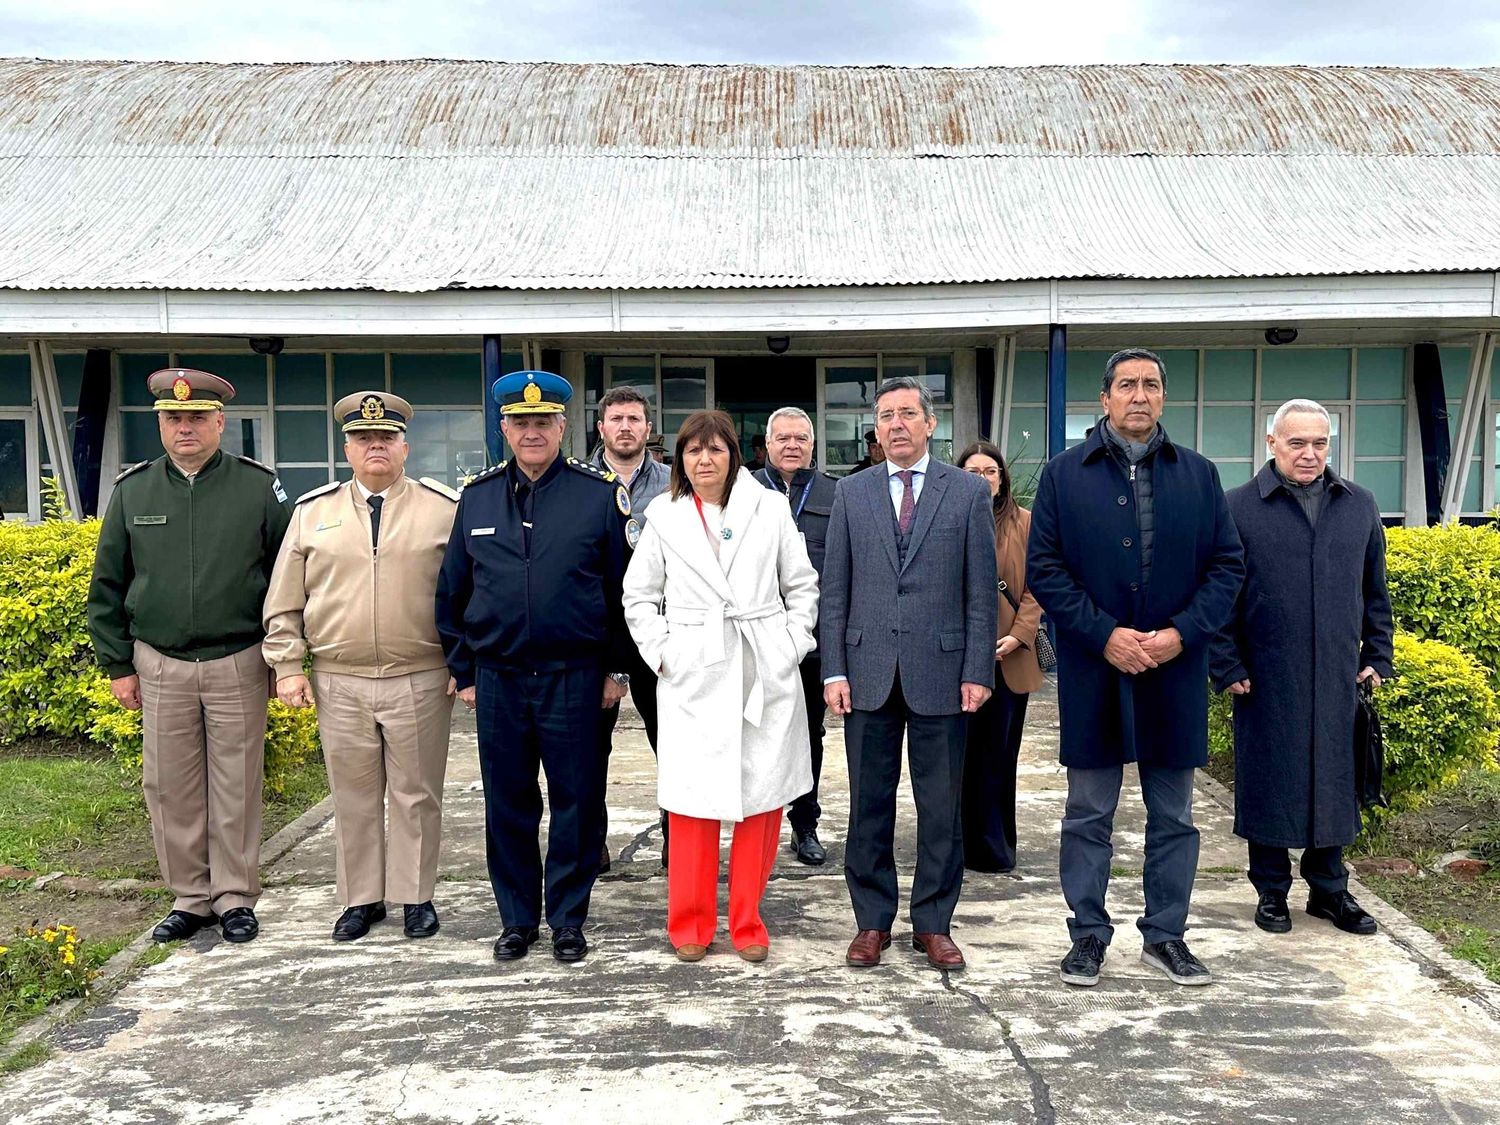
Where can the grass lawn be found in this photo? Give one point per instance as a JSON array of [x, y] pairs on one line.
[[67, 806]]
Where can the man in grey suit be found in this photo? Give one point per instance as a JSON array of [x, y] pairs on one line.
[[907, 633]]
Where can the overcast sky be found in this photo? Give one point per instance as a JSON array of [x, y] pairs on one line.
[[910, 32]]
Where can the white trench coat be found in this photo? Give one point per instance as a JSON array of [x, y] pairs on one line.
[[726, 635]]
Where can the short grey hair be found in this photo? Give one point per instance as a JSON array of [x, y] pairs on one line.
[[1299, 406], [1125, 355], [789, 412], [907, 383]]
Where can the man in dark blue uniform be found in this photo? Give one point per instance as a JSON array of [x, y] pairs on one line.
[[530, 613]]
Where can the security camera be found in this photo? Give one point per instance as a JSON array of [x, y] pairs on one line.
[[267, 345], [778, 344], [1279, 336]]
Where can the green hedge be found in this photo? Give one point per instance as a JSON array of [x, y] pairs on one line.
[[1439, 716], [1445, 586], [49, 682]]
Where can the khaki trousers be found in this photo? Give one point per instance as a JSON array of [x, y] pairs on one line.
[[203, 761], [385, 739]]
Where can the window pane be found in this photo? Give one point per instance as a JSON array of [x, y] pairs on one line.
[[1387, 480], [1028, 431], [850, 383], [438, 378], [1085, 370], [15, 380], [1078, 427], [1315, 373], [684, 386], [301, 380], [301, 435], [297, 481], [1023, 479], [357, 371], [1455, 364], [134, 371], [247, 374], [1228, 376], [140, 440], [845, 435], [1382, 373], [1455, 408], [939, 377], [1181, 424], [244, 435], [1235, 473], [640, 374], [447, 445], [1182, 375], [69, 377], [1227, 431], [1030, 377], [13, 498], [1379, 430]]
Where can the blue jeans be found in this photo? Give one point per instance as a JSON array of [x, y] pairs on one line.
[[1171, 850]]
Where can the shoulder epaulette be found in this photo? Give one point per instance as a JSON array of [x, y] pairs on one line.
[[137, 467], [439, 487], [257, 464], [492, 471], [609, 476], [322, 488]]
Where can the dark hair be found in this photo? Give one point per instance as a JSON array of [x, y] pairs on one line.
[[757, 441], [1124, 355], [1005, 498], [906, 383], [616, 395], [703, 426]]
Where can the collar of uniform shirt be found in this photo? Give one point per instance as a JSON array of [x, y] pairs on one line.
[[366, 493]]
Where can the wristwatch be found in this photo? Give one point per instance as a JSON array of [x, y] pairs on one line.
[[621, 678]]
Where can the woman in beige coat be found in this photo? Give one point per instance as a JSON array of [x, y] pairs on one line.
[[721, 599], [989, 792]]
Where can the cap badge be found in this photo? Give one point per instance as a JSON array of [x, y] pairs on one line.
[[182, 390], [532, 393], [372, 407]]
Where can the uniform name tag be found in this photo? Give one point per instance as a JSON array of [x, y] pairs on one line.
[[149, 521], [482, 531], [329, 526]]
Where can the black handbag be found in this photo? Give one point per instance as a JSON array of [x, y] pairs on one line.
[[1046, 655], [1369, 751]]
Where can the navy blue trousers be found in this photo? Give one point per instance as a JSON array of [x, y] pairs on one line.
[[548, 719]]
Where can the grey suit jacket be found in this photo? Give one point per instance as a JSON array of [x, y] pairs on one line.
[[934, 619]]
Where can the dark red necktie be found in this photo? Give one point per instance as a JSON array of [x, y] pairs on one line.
[[908, 502]]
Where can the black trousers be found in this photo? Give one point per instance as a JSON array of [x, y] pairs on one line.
[[989, 804], [551, 719], [643, 694], [1323, 868], [805, 812], [935, 747]]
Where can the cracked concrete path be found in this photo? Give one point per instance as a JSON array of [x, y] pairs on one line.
[[1314, 1026]]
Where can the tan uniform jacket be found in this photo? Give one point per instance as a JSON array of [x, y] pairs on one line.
[[361, 612]]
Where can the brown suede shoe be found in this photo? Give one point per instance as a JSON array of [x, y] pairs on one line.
[[691, 952], [940, 950], [754, 952], [864, 950]]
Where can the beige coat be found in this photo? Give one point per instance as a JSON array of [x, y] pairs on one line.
[[1020, 669], [727, 635], [362, 613]]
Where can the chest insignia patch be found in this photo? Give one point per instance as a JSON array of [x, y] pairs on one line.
[[149, 521], [482, 531], [632, 533]]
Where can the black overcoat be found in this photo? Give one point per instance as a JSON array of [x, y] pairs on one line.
[[1084, 566], [1313, 612]]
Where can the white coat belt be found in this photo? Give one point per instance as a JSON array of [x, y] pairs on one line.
[[712, 619]]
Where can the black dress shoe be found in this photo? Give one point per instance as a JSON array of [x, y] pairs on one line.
[[181, 924], [239, 924], [569, 944], [514, 941], [808, 850], [1081, 965], [1271, 913], [355, 922], [1342, 911], [421, 919], [1177, 961]]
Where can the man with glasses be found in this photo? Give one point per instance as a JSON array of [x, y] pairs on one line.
[[789, 471]]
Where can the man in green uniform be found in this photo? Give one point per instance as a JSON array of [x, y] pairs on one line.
[[185, 555]]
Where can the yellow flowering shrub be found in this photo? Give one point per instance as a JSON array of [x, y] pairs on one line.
[[41, 967]]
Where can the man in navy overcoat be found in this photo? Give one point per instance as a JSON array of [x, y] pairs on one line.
[[1135, 558]]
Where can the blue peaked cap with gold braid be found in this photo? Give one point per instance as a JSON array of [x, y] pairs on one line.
[[532, 392]]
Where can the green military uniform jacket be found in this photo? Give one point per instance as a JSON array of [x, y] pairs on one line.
[[184, 566]]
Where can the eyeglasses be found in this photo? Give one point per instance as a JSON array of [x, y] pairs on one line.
[[909, 415], [990, 472]]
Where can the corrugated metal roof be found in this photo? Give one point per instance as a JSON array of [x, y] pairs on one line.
[[416, 176]]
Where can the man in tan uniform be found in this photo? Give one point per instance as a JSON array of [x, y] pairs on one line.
[[354, 585], [185, 552]]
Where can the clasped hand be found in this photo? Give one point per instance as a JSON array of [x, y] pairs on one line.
[[1133, 652]]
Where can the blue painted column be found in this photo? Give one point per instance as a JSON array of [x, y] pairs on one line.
[[491, 407], [1057, 388]]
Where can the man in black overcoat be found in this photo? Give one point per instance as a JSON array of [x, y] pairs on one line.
[[1312, 622]]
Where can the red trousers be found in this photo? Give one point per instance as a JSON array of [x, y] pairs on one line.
[[693, 878]]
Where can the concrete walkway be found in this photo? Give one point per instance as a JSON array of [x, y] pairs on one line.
[[1314, 1026]]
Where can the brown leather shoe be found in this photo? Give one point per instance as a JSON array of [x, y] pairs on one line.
[[864, 950], [691, 952], [754, 952], [940, 950]]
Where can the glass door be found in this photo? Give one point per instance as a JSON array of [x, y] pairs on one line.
[[20, 466]]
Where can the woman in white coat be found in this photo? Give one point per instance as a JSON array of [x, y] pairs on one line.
[[722, 600]]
